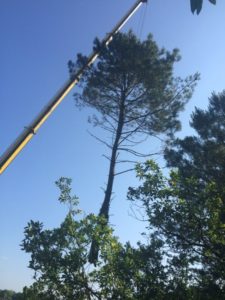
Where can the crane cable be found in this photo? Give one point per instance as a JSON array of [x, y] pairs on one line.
[[141, 21]]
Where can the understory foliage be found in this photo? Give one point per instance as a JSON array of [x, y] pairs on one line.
[[10, 295], [183, 256], [59, 258]]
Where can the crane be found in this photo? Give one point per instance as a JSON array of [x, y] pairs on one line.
[[29, 131]]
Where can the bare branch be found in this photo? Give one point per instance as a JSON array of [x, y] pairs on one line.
[[114, 117], [134, 143], [110, 123], [134, 214], [157, 137], [107, 128], [122, 172], [129, 134], [117, 155], [147, 133], [138, 154], [108, 158], [100, 140], [127, 161]]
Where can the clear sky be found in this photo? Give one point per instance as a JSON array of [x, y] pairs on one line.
[[37, 40]]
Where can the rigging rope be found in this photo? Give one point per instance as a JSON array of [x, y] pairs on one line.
[[142, 19]]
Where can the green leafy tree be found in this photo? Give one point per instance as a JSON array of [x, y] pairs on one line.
[[134, 273], [59, 256], [10, 295], [187, 218], [162, 268], [59, 259], [187, 209], [202, 157], [133, 89]]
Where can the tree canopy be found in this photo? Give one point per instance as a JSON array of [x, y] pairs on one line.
[[10, 295], [59, 259], [187, 209]]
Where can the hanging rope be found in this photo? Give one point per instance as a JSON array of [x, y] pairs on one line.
[[142, 20], [138, 28]]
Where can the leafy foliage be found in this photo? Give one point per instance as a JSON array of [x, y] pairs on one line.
[[10, 295], [203, 158], [187, 209], [187, 218], [59, 258], [177, 261], [196, 5]]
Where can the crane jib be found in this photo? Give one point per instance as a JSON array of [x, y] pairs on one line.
[[29, 131]]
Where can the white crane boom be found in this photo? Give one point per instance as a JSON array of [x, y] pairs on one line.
[[13, 150]]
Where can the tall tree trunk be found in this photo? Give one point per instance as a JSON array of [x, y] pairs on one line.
[[104, 211]]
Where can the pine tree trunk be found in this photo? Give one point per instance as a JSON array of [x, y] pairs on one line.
[[104, 211]]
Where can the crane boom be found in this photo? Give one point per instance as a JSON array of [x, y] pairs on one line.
[[13, 150]]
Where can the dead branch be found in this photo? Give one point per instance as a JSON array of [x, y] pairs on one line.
[[122, 172], [100, 140]]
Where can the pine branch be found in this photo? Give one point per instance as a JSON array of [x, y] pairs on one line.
[[122, 172], [127, 161], [100, 140], [138, 154]]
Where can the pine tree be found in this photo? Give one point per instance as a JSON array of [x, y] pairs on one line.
[[133, 89]]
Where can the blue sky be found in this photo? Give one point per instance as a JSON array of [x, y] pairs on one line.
[[37, 40]]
